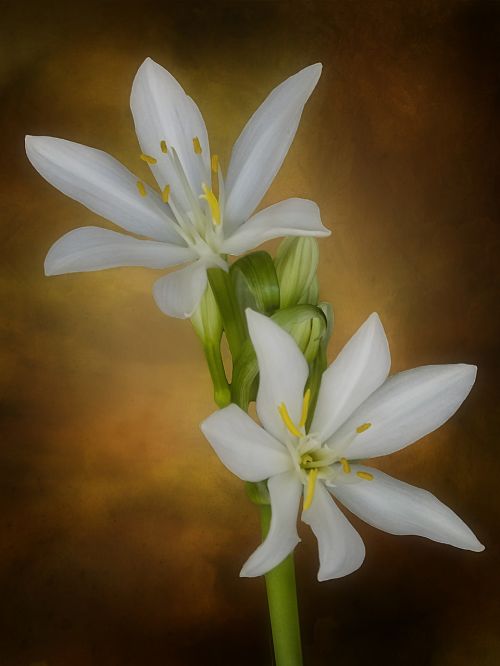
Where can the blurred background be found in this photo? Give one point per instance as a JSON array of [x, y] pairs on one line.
[[122, 534]]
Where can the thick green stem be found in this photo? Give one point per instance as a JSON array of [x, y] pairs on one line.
[[283, 609]]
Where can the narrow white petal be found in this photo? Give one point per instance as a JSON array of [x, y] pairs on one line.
[[341, 549], [285, 491], [103, 185], [263, 144], [291, 217], [406, 407], [399, 508], [360, 368], [163, 112], [179, 293], [245, 448], [92, 249], [283, 373]]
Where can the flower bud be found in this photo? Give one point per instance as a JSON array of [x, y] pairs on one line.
[[256, 283], [296, 265], [207, 322]]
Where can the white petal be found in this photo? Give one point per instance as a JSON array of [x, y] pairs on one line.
[[359, 369], [292, 217], [102, 184], [341, 549], [245, 448], [263, 144], [163, 112], [92, 249], [406, 407], [179, 293], [399, 508], [285, 491], [283, 373]]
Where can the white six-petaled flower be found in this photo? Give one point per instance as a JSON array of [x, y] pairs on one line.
[[196, 218], [360, 413]]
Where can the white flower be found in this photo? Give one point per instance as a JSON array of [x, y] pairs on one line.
[[360, 413], [197, 217]]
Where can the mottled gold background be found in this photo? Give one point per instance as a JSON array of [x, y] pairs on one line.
[[122, 534]]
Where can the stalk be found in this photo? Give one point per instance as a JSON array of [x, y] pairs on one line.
[[283, 608]]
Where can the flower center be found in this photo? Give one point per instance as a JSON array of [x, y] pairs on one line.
[[311, 458], [199, 226]]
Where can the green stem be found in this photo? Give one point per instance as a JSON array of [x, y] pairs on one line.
[[283, 609]]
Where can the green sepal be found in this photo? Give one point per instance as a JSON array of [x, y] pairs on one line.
[[257, 492], [245, 371], [320, 362], [296, 265], [306, 323], [207, 323], [231, 313], [256, 283]]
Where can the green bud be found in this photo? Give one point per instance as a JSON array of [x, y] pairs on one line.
[[233, 318], [256, 283], [296, 266], [207, 323], [207, 320], [320, 362]]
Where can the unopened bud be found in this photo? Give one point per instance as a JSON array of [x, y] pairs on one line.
[[296, 265], [207, 322]]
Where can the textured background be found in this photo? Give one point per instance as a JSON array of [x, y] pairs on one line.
[[122, 535]]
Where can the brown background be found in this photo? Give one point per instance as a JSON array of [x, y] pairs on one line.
[[122, 535]]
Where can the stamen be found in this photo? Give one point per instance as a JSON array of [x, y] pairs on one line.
[[196, 145], [142, 188], [213, 204], [215, 163], [165, 194], [311, 485], [288, 421], [365, 475], [163, 146], [346, 468], [363, 427], [148, 159], [305, 408]]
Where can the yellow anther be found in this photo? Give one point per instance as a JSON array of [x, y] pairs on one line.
[[363, 427], [148, 159], [365, 475], [163, 146], [305, 408], [288, 421], [165, 193], [196, 145], [142, 188], [215, 163], [311, 485], [346, 468], [213, 204]]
